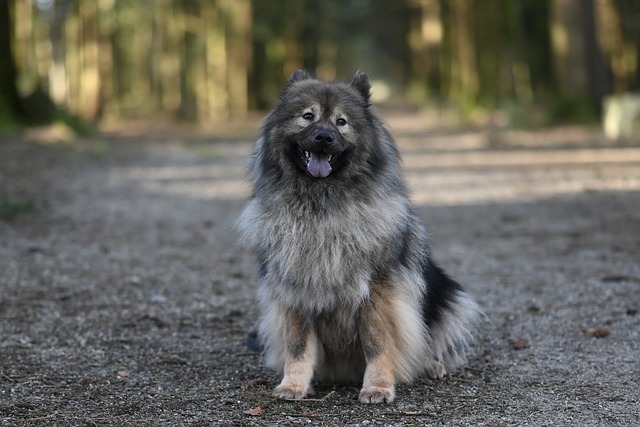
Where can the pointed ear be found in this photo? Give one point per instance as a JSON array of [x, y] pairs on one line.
[[360, 81], [298, 75]]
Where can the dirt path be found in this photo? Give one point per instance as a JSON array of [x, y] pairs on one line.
[[125, 299]]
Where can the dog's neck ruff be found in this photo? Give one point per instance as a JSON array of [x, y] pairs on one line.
[[317, 262]]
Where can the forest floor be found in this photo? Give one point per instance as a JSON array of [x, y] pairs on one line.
[[125, 296]]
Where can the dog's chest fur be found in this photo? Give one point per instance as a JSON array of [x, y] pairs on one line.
[[319, 261]]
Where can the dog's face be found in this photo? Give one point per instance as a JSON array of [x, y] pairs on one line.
[[317, 128]]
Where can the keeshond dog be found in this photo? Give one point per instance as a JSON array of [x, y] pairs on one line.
[[349, 291]]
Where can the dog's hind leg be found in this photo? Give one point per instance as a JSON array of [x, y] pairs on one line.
[[301, 355]]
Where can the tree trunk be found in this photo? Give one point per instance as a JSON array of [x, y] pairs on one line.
[[216, 61], [10, 108], [107, 99], [534, 24], [464, 76], [90, 76], [425, 42], [238, 55], [579, 66], [629, 62]]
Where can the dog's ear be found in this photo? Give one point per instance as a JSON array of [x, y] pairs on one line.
[[298, 75], [361, 82]]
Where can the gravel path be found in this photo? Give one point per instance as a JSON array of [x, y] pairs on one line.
[[125, 298]]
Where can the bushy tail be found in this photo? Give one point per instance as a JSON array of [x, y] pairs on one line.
[[451, 316]]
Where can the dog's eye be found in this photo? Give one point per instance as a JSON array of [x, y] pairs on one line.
[[307, 116], [341, 122]]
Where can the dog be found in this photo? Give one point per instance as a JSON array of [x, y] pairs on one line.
[[348, 288]]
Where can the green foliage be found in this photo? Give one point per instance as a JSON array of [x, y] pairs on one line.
[[8, 123], [76, 124], [565, 109], [11, 208], [42, 111], [38, 110]]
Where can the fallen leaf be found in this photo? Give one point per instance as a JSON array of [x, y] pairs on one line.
[[534, 308], [598, 332], [519, 344], [257, 411], [619, 278]]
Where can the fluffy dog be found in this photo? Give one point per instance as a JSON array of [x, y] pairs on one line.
[[349, 291]]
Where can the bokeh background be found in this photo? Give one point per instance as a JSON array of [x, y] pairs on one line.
[[538, 61], [126, 295]]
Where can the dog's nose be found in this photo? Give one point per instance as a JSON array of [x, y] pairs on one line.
[[323, 135]]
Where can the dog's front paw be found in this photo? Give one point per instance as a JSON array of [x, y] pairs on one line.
[[373, 394], [291, 391]]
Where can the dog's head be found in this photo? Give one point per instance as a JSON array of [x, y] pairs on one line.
[[319, 128]]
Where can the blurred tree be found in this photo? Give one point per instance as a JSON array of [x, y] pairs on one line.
[[625, 43], [465, 86], [34, 106], [579, 66], [533, 21], [209, 60], [85, 88], [10, 107], [238, 53], [425, 40]]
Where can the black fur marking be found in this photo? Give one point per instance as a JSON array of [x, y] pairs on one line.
[[253, 341], [298, 330], [269, 169], [368, 336], [263, 266], [441, 293], [297, 349], [403, 251]]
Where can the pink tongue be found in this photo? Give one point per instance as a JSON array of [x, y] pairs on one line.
[[318, 165]]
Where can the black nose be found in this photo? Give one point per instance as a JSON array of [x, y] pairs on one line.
[[323, 135]]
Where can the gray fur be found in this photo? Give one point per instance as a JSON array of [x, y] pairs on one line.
[[323, 242]]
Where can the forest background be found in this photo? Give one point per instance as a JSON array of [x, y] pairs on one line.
[[542, 61], [126, 296]]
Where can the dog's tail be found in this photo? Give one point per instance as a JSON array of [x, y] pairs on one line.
[[451, 316]]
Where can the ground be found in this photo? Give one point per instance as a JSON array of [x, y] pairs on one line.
[[126, 297]]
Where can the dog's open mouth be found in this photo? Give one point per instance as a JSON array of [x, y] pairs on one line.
[[318, 162]]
